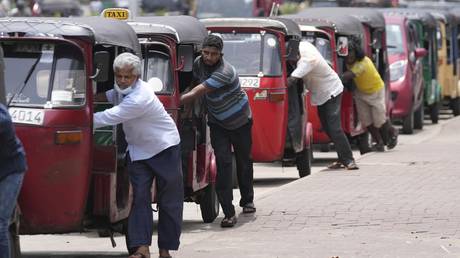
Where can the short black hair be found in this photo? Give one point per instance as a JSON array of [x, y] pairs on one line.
[[356, 46], [213, 41]]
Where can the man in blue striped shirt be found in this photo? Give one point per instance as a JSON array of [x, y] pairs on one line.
[[230, 122]]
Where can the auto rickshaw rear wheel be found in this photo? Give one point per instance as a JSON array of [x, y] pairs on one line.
[[303, 162], [209, 204], [455, 106], [434, 112]]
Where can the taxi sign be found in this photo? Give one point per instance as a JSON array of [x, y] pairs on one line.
[[116, 13]]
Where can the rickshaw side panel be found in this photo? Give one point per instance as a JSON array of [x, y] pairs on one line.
[[64, 168], [270, 119]]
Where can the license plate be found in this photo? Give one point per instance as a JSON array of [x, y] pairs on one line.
[[27, 116], [250, 82]]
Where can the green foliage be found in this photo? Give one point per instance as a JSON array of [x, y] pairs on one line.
[[289, 8]]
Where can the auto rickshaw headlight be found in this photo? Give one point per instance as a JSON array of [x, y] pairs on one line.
[[397, 70], [68, 137]]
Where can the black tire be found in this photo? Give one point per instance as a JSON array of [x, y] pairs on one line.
[[364, 143], [15, 246], [455, 106], [408, 124], [434, 113], [209, 204], [419, 116], [303, 162]]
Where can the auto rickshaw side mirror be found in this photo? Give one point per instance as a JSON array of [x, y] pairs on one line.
[[292, 50], [420, 52], [185, 58], [101, 61]]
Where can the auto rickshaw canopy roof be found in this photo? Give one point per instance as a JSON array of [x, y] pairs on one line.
[[99, 30], [185, 29], [456, 12], [288, 27], [443, 16], [413, 14], [369, 16], [341, 23]]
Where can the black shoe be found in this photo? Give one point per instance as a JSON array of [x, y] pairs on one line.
[[249, 208], [228, 222]]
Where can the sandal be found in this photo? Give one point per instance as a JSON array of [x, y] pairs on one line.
[[228, 222], [249, 208], [351, 166], [164, 253], [141, 252], [335, 165]]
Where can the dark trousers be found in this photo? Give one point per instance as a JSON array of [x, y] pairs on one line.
[[9, 191], [165, 167], [222, 141], [329, 114]]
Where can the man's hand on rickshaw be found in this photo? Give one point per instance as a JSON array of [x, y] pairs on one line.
[[292, 81], [100, 97]]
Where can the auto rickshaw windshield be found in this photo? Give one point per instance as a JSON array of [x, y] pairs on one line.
[[44, 73], [252, 53], [323, 45], [223, 8], [394, 39], [158, 65]]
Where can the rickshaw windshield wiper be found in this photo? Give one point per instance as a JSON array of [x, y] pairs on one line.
[[23, 85]]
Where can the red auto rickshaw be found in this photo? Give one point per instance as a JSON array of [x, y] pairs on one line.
[[261, 49], [330, 34], [169, 46], [75, 179]]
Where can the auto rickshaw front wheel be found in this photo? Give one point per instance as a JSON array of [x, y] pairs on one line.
[[209, 204], [408, 124], [419, 117]]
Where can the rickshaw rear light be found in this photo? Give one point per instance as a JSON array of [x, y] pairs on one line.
[[68, 137], [276, 96]]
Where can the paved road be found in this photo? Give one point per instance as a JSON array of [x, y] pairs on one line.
[[401, 203]]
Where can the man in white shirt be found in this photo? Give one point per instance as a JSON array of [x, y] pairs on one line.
[[326, 90], [154, 152]]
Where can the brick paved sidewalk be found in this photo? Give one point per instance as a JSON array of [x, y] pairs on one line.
[[401, 203]]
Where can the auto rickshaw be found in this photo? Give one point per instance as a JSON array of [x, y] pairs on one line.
[[75, 180], [169, 47], [263, 51], [425, 27], [448, 57], [329, 34]]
